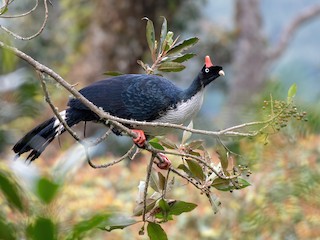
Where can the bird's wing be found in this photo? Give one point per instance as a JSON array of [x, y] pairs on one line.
[[138, 97]]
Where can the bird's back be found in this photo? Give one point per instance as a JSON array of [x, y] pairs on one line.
[[132, 96]]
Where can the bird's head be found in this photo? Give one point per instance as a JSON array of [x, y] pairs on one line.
[[209, 72]]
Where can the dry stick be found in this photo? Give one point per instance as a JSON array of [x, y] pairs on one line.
[[55, 111], [145, 192], [287, 34], [37, 33], [22, 14], [127, 154]]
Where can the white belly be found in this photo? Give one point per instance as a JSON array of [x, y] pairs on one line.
[[183, 113]]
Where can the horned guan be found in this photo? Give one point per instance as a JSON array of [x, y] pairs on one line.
[[138, 97]]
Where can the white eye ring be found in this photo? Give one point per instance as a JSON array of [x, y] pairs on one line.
[[207, 70]]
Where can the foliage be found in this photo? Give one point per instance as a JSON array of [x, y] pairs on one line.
[[208, 172]]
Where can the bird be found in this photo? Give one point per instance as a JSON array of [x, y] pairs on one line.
[[140, 97]]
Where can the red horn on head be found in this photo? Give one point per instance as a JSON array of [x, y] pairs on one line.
[[208, 62]]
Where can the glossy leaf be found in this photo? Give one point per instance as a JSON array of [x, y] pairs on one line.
[[185, 169], [150, 34], [222, 184], [11, 191], [184, 58], [195, 169], [243, 183], [162, 181], [168, 41], [179, 207], [46, 189], [155, 232], [139, 208], [292, 92], [87, 225], [196, 144], [170, 67], [223, 156], [3, 10], [156, 145], [163, 34], [182, 46], [118, 222], [168, 143]]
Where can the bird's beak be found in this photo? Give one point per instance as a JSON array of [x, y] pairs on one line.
[[221, 73]]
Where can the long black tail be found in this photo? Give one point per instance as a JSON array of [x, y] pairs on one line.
[[41, 136]]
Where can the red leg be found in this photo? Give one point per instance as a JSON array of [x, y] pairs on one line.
[[140, 139], [164, 162]]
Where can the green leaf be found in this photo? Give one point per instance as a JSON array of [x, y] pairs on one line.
[[222, 184], [179, 207], [46, 189], [168, 144], [195, 169], [11, 191], [186, 134], [156, 145], [292, 91], [185, 169], [139, 208], [118, 222], [164, 205], [162, 181], [155, 232], [7, 230], [42, 228], [163, 34], [170, 67], [150, 34], [196, 144], [112, 73], [182, 46], [242, 183], [223, 156], [80, 228], [183, 58], [3, 10]]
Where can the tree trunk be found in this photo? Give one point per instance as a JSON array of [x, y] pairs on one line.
[[116, 37]]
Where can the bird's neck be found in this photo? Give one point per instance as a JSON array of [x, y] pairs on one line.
[[195, 87]]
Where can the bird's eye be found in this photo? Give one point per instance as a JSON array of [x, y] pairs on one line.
[[207, 70]]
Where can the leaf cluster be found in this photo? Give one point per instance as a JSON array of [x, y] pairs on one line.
[[166, 52]]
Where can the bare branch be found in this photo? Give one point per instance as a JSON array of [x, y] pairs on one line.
[[22, 14], [145, 192], [55, 110], [126, 155], [37, 33], [291, 29]]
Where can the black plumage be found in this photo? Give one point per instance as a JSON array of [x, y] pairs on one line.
[[131, 96]]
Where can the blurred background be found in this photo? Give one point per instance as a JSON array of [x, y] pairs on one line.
[[264, 46]]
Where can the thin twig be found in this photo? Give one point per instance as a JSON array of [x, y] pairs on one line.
[[287, 34], [126, 155], [145, 193], [22, 14], [54, 109], [37, 33]]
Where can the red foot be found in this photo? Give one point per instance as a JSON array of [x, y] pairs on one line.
[[140, 139], [164, 162]]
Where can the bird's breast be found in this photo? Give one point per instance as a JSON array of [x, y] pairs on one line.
[[181, 113]]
